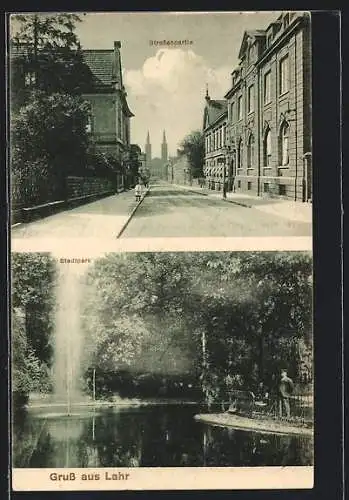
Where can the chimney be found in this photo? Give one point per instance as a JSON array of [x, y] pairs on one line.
[[116, 65], [207, 97]]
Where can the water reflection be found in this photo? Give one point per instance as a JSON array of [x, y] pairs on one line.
[[158, 436]]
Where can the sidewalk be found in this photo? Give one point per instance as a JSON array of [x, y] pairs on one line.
[[290, 210], [105, 218]]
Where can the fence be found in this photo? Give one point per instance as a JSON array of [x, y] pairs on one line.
[[47, 196], [295, 409]]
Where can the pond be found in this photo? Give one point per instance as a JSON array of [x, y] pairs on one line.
[[146, 436]]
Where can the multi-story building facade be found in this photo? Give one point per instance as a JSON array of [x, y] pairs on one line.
[[215, 128], [268, 148], [110, 115]]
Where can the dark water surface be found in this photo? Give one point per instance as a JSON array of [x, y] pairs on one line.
[[153, 436]]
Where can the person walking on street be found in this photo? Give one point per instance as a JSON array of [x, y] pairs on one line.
[[285, 390], [138, 191]]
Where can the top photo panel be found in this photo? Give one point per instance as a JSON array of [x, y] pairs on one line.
[[153, 124]]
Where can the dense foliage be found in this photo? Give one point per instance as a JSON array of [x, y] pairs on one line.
[[49, 118], [47, 51], [33, 301], [193, 147], [181, 323], [245, 315]]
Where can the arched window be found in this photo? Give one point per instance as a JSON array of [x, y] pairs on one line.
[[283, 141], [250, 152], [240, 154], [267, 148]]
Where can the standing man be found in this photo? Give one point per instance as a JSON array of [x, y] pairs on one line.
[[285, 391]]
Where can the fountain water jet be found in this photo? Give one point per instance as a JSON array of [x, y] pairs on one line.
[[68, 334]]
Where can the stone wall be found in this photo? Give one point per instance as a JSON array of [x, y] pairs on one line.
[[85, 186]]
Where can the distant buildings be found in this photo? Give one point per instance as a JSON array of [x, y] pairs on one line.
[[258, 140], [157, 166], [215, 130]]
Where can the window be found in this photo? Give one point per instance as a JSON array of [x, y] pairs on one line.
[[267, 149], [239, 184], [284, 157], [282, 189], [240, 107], [267, 90], [266, 187], [249, 186], [250, 151], [240, 154], [250, 100], [284, 75], [232, 112]]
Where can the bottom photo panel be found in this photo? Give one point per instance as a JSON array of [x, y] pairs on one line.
[[165, 370]]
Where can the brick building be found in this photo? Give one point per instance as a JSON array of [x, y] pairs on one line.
[[268, 139], [110, 115]]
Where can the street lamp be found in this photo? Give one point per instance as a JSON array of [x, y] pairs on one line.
[[225, 151]]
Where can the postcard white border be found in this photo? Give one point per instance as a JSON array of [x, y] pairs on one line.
[[86, 247], [167, 478]]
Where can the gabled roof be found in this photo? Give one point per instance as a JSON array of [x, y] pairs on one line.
[[247, 35], [215, 109], [102, 66], [105, 68]]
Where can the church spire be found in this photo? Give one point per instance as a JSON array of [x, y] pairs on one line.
[[164, 151], [148, 150]]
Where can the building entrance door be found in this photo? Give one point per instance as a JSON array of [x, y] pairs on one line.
[[232, 175]]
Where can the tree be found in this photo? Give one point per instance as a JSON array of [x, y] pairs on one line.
[[242, 314], [134, 162], [271, 311], [32, 287], [49, 142], [28, 372], [47, 52], [193, 147]]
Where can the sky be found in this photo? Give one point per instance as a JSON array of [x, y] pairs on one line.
[[166, 86]]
